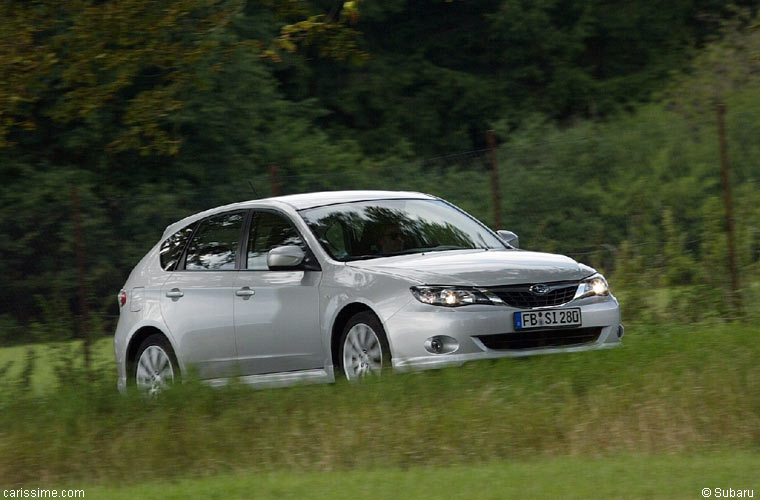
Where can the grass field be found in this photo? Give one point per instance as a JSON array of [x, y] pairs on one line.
[[659, 477], [685, 394], [47, 358]]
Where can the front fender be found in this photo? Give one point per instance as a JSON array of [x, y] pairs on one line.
[[384, 294]]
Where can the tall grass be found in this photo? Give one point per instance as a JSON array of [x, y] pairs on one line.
[[668, 389]]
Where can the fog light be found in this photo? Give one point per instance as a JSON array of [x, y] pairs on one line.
[[436, 345], [441, 344], [621, 331]]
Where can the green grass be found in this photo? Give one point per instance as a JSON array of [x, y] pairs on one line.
[[45, 358], [662, 476], [670, 390]]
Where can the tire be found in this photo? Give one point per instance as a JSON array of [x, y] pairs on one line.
[[155, 368], [363, 348]]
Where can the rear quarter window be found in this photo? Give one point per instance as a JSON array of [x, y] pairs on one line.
[[172, 247]]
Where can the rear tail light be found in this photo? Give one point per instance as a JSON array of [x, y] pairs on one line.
[[122, 298]]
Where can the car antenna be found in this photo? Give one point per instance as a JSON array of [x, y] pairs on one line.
[[253, 188]]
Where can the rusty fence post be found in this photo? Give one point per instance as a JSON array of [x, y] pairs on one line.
[[728, 202]]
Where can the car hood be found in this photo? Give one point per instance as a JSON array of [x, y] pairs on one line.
[[479, 267]]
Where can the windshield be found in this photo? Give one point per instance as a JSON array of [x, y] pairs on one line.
[[382, 228]]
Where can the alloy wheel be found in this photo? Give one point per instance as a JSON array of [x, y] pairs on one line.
[[154, 370], [362, 352]]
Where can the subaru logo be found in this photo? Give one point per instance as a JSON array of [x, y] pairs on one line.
[[539, 289]]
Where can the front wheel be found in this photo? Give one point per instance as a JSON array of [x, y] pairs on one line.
[[364, 347], [155, 368]]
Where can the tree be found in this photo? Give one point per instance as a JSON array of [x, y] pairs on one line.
[[153, 110], [123, 66]]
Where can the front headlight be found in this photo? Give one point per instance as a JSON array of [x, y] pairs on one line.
[[448, 296], [594, 285]]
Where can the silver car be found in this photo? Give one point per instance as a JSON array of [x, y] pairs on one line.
[[313, 286]]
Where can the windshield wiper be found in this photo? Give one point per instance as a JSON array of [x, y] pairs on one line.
[[368, 256], [440, 248]]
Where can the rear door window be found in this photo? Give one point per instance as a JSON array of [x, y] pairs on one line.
[[215, 243]]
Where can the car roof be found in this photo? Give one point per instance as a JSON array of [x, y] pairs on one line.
[[312, 200], [301, 202]]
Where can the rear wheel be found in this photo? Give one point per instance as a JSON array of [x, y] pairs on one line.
[[363, 348], [155, 368]]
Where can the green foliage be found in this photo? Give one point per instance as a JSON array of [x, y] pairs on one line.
[[679, 265], [118, 71], [49, 366], [633, 281], [440, 71], [10, 328], [651, 179], [77, 63], [714, 246], [153, 113]]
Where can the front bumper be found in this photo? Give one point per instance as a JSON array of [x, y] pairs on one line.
[[413, 326]]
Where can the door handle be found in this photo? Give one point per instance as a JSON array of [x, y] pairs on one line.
[[245, 292], [175, 293]]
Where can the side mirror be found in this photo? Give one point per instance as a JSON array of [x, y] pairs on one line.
[[509, 237], [285, 258]]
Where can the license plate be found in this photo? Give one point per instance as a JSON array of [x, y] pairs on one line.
[[525, 320]]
